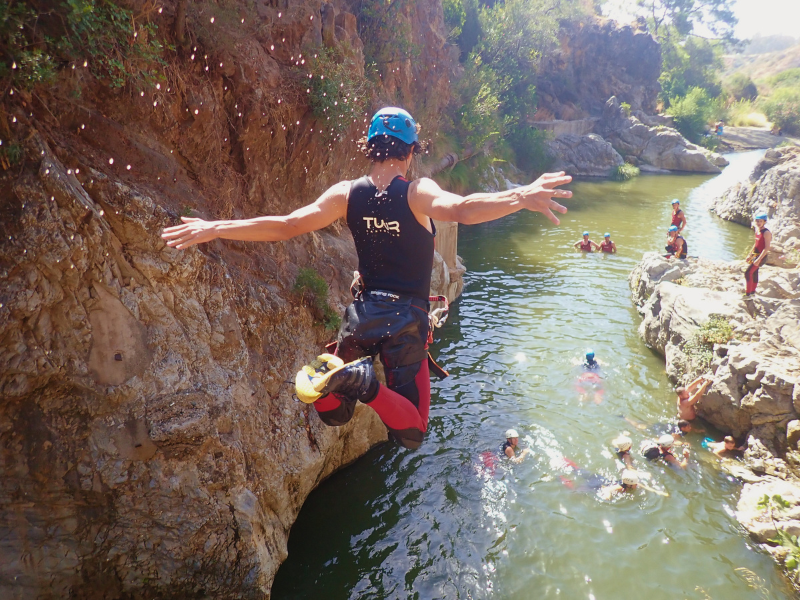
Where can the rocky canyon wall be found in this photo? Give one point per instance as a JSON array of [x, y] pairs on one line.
[[150, 446], [755, 364]]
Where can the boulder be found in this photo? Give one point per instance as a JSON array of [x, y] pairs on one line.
[[774, 188], [584, 155], [659, 146]]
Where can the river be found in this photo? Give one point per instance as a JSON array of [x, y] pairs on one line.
[[452, 521]]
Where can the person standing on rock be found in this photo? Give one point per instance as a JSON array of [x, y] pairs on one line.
[[758, 255], [689, 396], [678, 217], [391, 219], [608, 245], [586, 245]]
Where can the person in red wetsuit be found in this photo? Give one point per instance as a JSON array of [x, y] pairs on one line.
[[676, 244], [607, 245], [586, 245], [758, 255], [678, 216], [391, 219]]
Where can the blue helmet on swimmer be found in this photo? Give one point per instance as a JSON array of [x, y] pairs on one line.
[[761, 217], [606, 234], [589, 354], [673, 228], [585, 233], [395, 122], [676, 201]]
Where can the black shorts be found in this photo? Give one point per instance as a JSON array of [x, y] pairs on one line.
[[391, 325]]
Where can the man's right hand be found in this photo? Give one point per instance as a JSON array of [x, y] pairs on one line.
[[538, 196], [192, 231]]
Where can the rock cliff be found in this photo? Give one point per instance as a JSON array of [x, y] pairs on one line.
[[694, 314], [150, 444]]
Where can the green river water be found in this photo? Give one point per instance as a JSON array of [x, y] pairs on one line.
[[452, 520]]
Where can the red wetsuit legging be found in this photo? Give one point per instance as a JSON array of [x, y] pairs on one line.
[[751, 274]]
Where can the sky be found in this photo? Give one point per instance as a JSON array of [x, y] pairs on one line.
[[756, 17]]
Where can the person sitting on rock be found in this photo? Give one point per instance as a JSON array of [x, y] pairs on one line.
[[725, 448], [607, 245], [665, 443], [676, 244], [672, 233], [678, 217], [391, 219], [509, 447], [622, 446], [758, 255], [586, 245], [689, 396]]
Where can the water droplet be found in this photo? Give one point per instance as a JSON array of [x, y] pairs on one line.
[[111, 161], [212, 19], [128, 167]]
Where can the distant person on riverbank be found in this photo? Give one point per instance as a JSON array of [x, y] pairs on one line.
[[510, 447], [727, 447], [608, 245], [678, 217], [689, 396], [758, 255], [391, 219], [622, 446], [719, 128], [586, 245]]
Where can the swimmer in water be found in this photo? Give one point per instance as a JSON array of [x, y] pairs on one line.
[[589, 381], [586, 245], [629, 481], [623, 444], [725, 448], [665, 443], [608, 245], [589, 361], [509, 448]]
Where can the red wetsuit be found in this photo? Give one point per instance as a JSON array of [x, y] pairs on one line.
[[586, 246], [606, 246], [677, 218], [751, 274]]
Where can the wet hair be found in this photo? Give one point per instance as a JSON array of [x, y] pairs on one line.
[[683, 423], [386, 147]]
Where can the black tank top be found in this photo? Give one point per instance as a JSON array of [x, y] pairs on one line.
[[395, 252]]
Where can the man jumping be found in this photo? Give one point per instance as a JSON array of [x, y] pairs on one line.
[[391, 219]]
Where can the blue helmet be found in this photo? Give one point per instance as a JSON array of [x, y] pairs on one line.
[[590, 354], [761, 217], [395, 122], [676, 201], [585, 233], [606, 235], [673, 228]]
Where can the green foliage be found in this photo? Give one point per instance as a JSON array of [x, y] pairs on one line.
[[744, 114], [681, 18], [717, 330], [314, 290], [692, 113], [339, 94], [94, 34], [625, 172], [386, 35], [10, 155], [626, 108], [741, 87], [530, 150], [783, 109], [789, 542], [699, 354], [455, 15], [687, 64], [787, 78]]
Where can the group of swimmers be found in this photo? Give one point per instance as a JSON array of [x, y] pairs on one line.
[[587, 245], [660, 448]]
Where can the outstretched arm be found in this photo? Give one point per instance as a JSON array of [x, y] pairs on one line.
[[595, 245], [695, 398], [427, 198], [328, 207]]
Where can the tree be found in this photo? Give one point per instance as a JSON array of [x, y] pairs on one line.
[[682, 18]]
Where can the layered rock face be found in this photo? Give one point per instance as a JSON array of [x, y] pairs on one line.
[[755, 394], [773, 188], [150, 443], [598, 59]]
